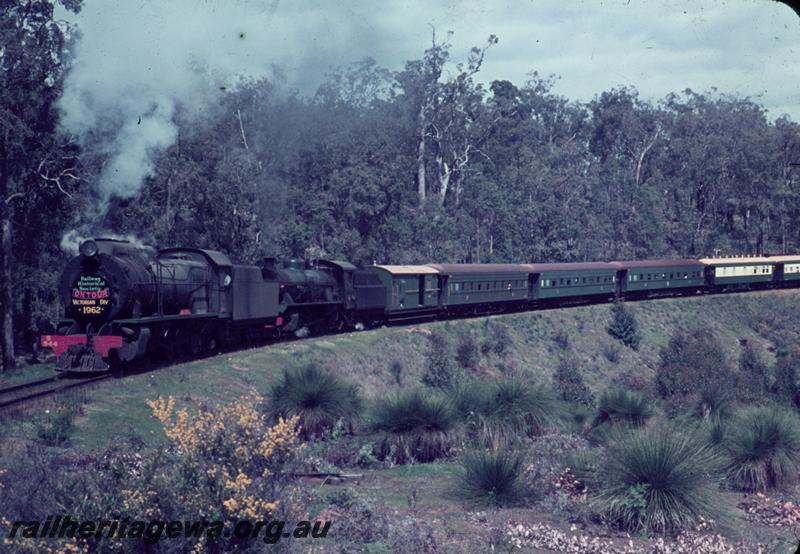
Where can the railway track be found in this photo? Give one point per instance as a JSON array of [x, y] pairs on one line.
[[18, 395]]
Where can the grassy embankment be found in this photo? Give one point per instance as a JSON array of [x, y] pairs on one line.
[[384, 360], [538, 340]]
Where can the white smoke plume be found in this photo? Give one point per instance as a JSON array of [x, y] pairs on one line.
[[72, 240], [137, 63]]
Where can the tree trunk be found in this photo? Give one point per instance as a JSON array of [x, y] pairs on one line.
[[444, 179], [6, 309], [6, 321], [421, 192]]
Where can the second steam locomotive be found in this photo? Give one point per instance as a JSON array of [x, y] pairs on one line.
[[124, 303]]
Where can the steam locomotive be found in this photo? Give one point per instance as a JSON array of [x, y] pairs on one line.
[[124, 303]]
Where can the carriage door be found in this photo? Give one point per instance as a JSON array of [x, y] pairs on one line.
[[534, 285], [421, 294]]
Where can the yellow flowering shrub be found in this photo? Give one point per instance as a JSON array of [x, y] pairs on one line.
[[220, 464], [228, 461]]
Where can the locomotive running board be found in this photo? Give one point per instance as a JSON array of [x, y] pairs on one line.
[[160, 318]]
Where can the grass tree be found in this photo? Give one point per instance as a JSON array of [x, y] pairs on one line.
[[659, 480], [763, 448], [417, 425], [508, 409], [319, 399], [491, 476], [623, 406]]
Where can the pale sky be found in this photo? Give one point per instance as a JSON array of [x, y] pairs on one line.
[[749, 47]]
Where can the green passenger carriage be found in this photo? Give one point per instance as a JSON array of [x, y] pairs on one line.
[[645, 277], [409, 288], [476, 284], [573, 280]]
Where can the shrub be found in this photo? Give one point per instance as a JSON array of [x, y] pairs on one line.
[[467, 353], [491, 476], [786, 381], [500, 339], [472, 398], [624, 327], [473, 404], [317, 397], [714, 404], [439, 372], [691, 362], [410, 534], [561, 338], [568, 381], [763, 448], [418, 426], [715, 430], [623, 406], [657, 480], [577, 417], [638, 380], [518, 406], [611, 352], [226, 461], [55, 427], [753, 382], [396, 369], [546, 459], [503, 410]]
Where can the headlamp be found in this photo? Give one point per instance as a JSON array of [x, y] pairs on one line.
[[88, 248]]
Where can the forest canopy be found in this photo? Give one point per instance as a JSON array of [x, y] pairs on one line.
[[422, 163]]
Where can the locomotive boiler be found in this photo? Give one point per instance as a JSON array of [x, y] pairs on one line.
[[122, 301]]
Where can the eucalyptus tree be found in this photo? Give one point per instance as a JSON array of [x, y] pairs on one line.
[[38, 168]]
